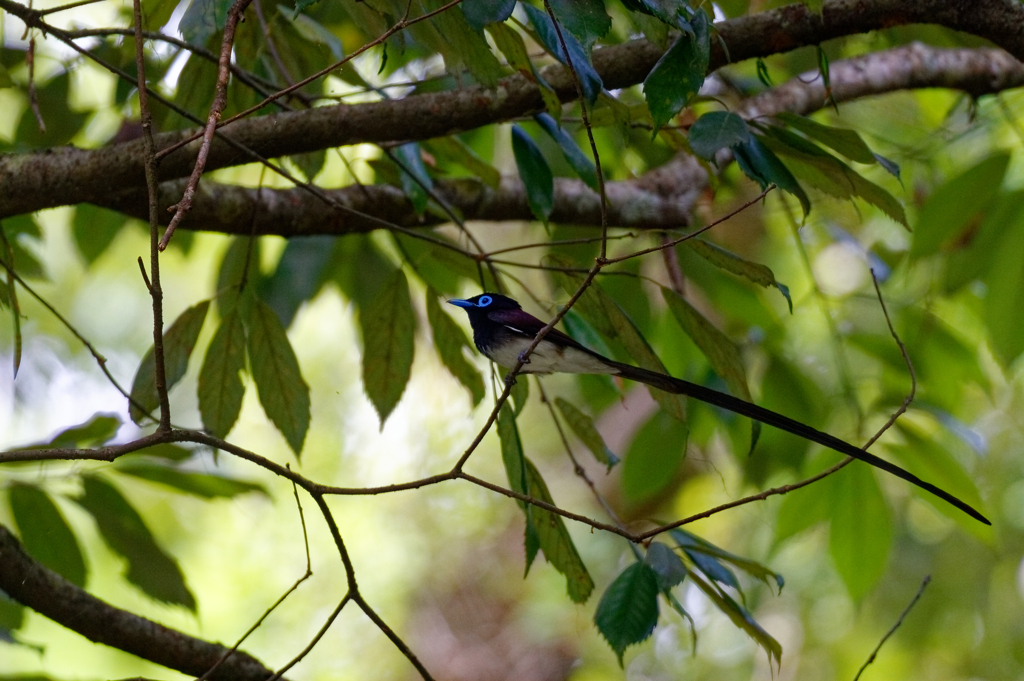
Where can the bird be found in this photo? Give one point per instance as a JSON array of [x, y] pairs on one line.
[[502, 331]]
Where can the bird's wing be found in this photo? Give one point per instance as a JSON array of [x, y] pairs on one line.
[[529, 326]]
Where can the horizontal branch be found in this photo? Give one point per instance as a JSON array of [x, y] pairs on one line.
[[67, 175], [43, 590], [662, 198]]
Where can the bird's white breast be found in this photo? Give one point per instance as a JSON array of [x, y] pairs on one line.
[[549, 358]]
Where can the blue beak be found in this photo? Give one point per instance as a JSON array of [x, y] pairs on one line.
[[458, 302]]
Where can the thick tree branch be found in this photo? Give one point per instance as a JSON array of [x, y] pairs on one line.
[[49, 594], [660, 199], [67, 176], [663, 198]]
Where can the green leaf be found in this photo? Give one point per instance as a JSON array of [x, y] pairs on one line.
[[975, 259], [515, 468], [843, 140], [721, 353], [275, 370], [310, 163], [934, 463], [1005, 298], [5, 78], [554, 539], [760, 164], [826, 173], [44, 532], [511, 44], [579, 161], [741, 618], [590, 306], [535, 174], [450, 339], [520, 394], [166, 451], [955, 209], [179, 342], [450, 34], [715, 131], [628, 611], [94, 230], [389, 330], [638, 348], [55, 105], [202, 19], [585, 19], [416, 181], [652, 463], [202, 485], [676, 79], [98, 430], [149, 567], [693, 544], [801, 510], [861, 534], [583, 426], [548, 38], [300, 274], [667, 566], [220, 389], [479, 13], [454, 149]]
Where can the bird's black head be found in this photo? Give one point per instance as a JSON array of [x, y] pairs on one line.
[[478, 306]]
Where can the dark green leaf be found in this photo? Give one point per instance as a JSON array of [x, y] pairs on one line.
[[439, 267], [628, 611], [676, 79], [179, 341], [45, 533], [654, 458], [579, 161], [764, 167], [535, 174], [667, 566], [220, 386], [202, 19], [275, 370], [741, 618], [202, 485], [310, 164], [861, 534], [674, 13], [238, 269], [55, 106], [416, 181], [515, 468], [389, 329], [300, 274], [166, 451], [585, 19], [548, 38], [715, 131], [955, 209], [479, 13], [149, 567], [450, 34], [847, 142], [554, 540], [94, 230], [361, 271], [450, 339], [12, 617], [583, 426]]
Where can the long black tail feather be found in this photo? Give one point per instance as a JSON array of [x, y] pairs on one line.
[[771, 418]]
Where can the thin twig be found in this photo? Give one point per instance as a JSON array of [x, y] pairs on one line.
[[33, 96], [906, 611], [220, 100], [155, 291], [61, 8]]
